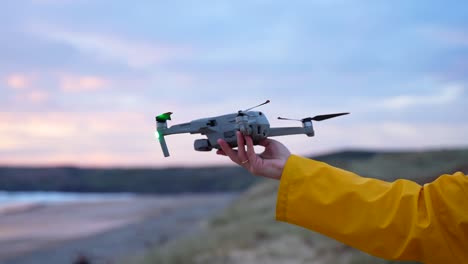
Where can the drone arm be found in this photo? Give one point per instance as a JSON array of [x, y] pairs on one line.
[[181, 128], [283, 131]]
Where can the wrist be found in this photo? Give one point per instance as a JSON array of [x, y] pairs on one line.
[[277, 168]]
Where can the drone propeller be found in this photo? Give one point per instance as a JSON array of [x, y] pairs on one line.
[[315, 118], [164, 117], [243, 112], [266, 102]]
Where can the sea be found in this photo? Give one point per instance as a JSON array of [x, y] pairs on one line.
[[15, 200]]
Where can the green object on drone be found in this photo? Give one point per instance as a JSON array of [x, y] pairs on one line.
[[164, 117]]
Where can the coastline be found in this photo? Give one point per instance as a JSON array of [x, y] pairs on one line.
[[105, 230]]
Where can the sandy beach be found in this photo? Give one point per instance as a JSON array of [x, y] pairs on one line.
[[103, 231]]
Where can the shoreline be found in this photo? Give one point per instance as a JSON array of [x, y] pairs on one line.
[[111, 230]]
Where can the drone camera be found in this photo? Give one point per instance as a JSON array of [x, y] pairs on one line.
[[202, 145]]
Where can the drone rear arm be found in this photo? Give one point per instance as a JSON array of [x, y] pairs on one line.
[[283, 131]]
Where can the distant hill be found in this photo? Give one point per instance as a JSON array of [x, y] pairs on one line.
[[346, 155], [247, 231], [419, 166], [162, 181]]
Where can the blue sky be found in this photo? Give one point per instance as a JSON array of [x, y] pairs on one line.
[[81, 81]]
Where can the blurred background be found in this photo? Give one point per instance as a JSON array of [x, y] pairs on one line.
[[81, 82]]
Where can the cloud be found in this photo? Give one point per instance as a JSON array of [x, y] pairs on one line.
[[100, 139], [134, 53], [31, 138], [452, 36], [35, 96], [18, 81], [26, 84], [33, 126], [127, 139], [448, 94], [10, 144], [54, 2], [383, 135], [208, 62], [72, 83]]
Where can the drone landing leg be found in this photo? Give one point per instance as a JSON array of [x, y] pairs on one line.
[[162, 141]]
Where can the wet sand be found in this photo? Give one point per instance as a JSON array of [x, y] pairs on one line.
[[103, 231]]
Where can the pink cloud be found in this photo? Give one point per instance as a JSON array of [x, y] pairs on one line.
[[37, 96], [72, 83], [31, 96], [98, 139], [26, 84], [18, 81]]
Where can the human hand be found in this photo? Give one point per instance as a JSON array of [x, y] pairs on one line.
[[270, 163]]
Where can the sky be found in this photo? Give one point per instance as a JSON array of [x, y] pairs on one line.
[[82, 80]]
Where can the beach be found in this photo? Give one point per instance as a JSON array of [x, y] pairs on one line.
[[104, 231]]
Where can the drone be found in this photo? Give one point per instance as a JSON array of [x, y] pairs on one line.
[[249, 123]]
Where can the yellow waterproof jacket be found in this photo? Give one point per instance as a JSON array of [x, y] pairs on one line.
[[400, 220]]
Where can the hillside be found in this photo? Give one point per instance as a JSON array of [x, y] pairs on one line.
[[247, 232], [161, 181]]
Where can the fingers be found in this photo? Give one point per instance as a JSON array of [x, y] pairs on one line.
[[265, 142], [227, 151], [251, 155], [242, 156]]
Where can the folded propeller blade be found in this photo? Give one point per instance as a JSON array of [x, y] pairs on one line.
[[324, 117], [315, 118]]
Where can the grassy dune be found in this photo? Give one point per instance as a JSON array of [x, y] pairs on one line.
[[247, 232]]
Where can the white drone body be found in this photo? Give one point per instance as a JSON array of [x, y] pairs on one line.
[[251, 123]]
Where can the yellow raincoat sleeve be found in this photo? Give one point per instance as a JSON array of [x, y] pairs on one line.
[[399, 220]]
